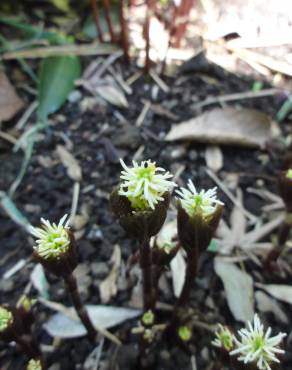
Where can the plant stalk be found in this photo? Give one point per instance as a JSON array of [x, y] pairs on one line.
[[124, 30], [106, 6], [146, 267], [71, 285], [182, 301], [96, 19], [27, 346], [181, 16]]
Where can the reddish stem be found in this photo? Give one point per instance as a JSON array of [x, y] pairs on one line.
[[181, 13], [96, 19], [106, 6], [150, 10], [72, 288], [124, 31]]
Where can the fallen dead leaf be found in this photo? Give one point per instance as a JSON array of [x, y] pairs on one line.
[[178, 270], [10, 103], [238, 286], [265, 303], [112, 94], [280, 292], [103, 317], [108, 287], [214, 157], [228, 126], [71, 164]]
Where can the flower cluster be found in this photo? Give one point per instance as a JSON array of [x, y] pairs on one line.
[[254, 346], [223, 338], [34, 365], [145, 184], [52, 239], [194, 202], [6, 319]]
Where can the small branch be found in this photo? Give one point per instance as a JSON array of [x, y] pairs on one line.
[[149, 12], [109, 21], [96, 19], [182, 17], [124, 30], [71, 285]]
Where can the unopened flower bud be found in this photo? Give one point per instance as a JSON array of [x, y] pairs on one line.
[[55, 247], [34, 364], [24, 308], [184, 333], [224, 339], [148, 318], [6, 324]]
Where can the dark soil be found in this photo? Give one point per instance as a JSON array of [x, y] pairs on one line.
[[99, 137]]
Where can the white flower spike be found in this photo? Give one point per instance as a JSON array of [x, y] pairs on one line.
[[52, 240], [145, 184], [223, 338], [258, 346], [194, 202]]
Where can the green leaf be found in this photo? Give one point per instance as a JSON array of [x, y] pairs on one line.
[[63, 5], [13, 212], [285, 110], [56, 80]]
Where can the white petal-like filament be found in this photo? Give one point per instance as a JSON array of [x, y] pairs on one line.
[[145, 184], [52, 240]]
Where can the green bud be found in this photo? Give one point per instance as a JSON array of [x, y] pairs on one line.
[[184, 333], [148, 318]]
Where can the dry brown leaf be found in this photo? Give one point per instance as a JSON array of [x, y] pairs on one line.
[[265, 303], [73, 168], [238, 221], [214, 157], [108, 287], [228, 126], [112, 94], [238, 286], [10, 103]]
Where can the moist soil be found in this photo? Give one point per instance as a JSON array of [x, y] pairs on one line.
[[98, 135]]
